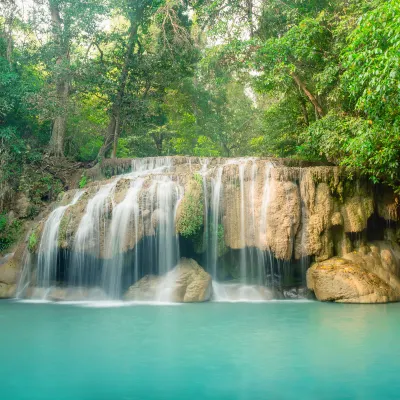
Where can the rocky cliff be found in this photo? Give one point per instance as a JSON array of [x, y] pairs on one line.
[[255, 214]]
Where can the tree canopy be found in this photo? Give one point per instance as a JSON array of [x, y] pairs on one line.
[[315, 80]]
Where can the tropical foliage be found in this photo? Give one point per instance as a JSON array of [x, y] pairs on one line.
[[82, 81]]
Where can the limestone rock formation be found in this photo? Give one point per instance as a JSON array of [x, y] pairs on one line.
[[186, 283], [146, 289], [282, 218], [190, 282], [289, 211], [266, 212], [9, 272], [7, 291], [370, 275]]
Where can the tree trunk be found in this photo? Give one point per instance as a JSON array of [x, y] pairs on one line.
[[158, 141], [112, 133], [304, 110], [116, 135], [56, 146], [8, 11], [318, 109], [249, 4]]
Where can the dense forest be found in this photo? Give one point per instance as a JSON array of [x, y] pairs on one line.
[[81, 81]]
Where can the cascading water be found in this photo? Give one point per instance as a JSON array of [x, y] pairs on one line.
[[164, 200], [215, 207], [262, 234], [248, 286], [243, 263], [108, 243], [120, 231], [128, 230], [203, 173], [48, 249], [90, 240], [168, 194]]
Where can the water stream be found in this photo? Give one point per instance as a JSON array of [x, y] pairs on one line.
[[48, 248], [119, 240]]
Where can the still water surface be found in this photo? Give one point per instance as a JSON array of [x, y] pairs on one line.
[[276, 350]]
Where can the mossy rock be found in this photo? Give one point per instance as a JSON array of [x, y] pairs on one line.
[[190, 217], [34, 238]]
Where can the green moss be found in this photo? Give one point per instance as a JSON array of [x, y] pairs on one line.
[[336, 189], [198, 178], [32, 242], [190, 220], [83, 181], [3, 222], [222, 248], [62, 232], [200, 242], [10, 232], [40, 186]]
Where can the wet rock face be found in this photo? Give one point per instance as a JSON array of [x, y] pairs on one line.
[[370, 275], [282, 219], [290, 211], [186, 283], [190, 282], [296, 212], [10, 268], [265, 212], [7, 291], [146, 289]]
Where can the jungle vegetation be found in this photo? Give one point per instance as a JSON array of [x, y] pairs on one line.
[[82, 81]]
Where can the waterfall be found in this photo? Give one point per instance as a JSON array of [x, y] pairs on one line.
[[167, 197], [128, 230], [153, 164], [48, 249], [108, 232], [203, 173], [89, 238], [25, 277], [236, 293], [120, 231], [214, 226], [252, 255], [305, 259], [243, 261], [262, 238]]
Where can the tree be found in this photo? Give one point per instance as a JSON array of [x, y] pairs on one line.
[[72, 25], [366, 136], [148, 68]]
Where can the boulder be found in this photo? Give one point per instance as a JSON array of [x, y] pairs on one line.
[[186, 283], [146, 289], [11, 265], [190, 282], [346, 281], [296, 294], [7, 291], [381, 258]]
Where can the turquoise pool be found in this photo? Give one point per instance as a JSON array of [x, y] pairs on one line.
[[276, 350]]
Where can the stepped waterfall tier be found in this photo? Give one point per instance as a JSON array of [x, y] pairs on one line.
[[190, 229]]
